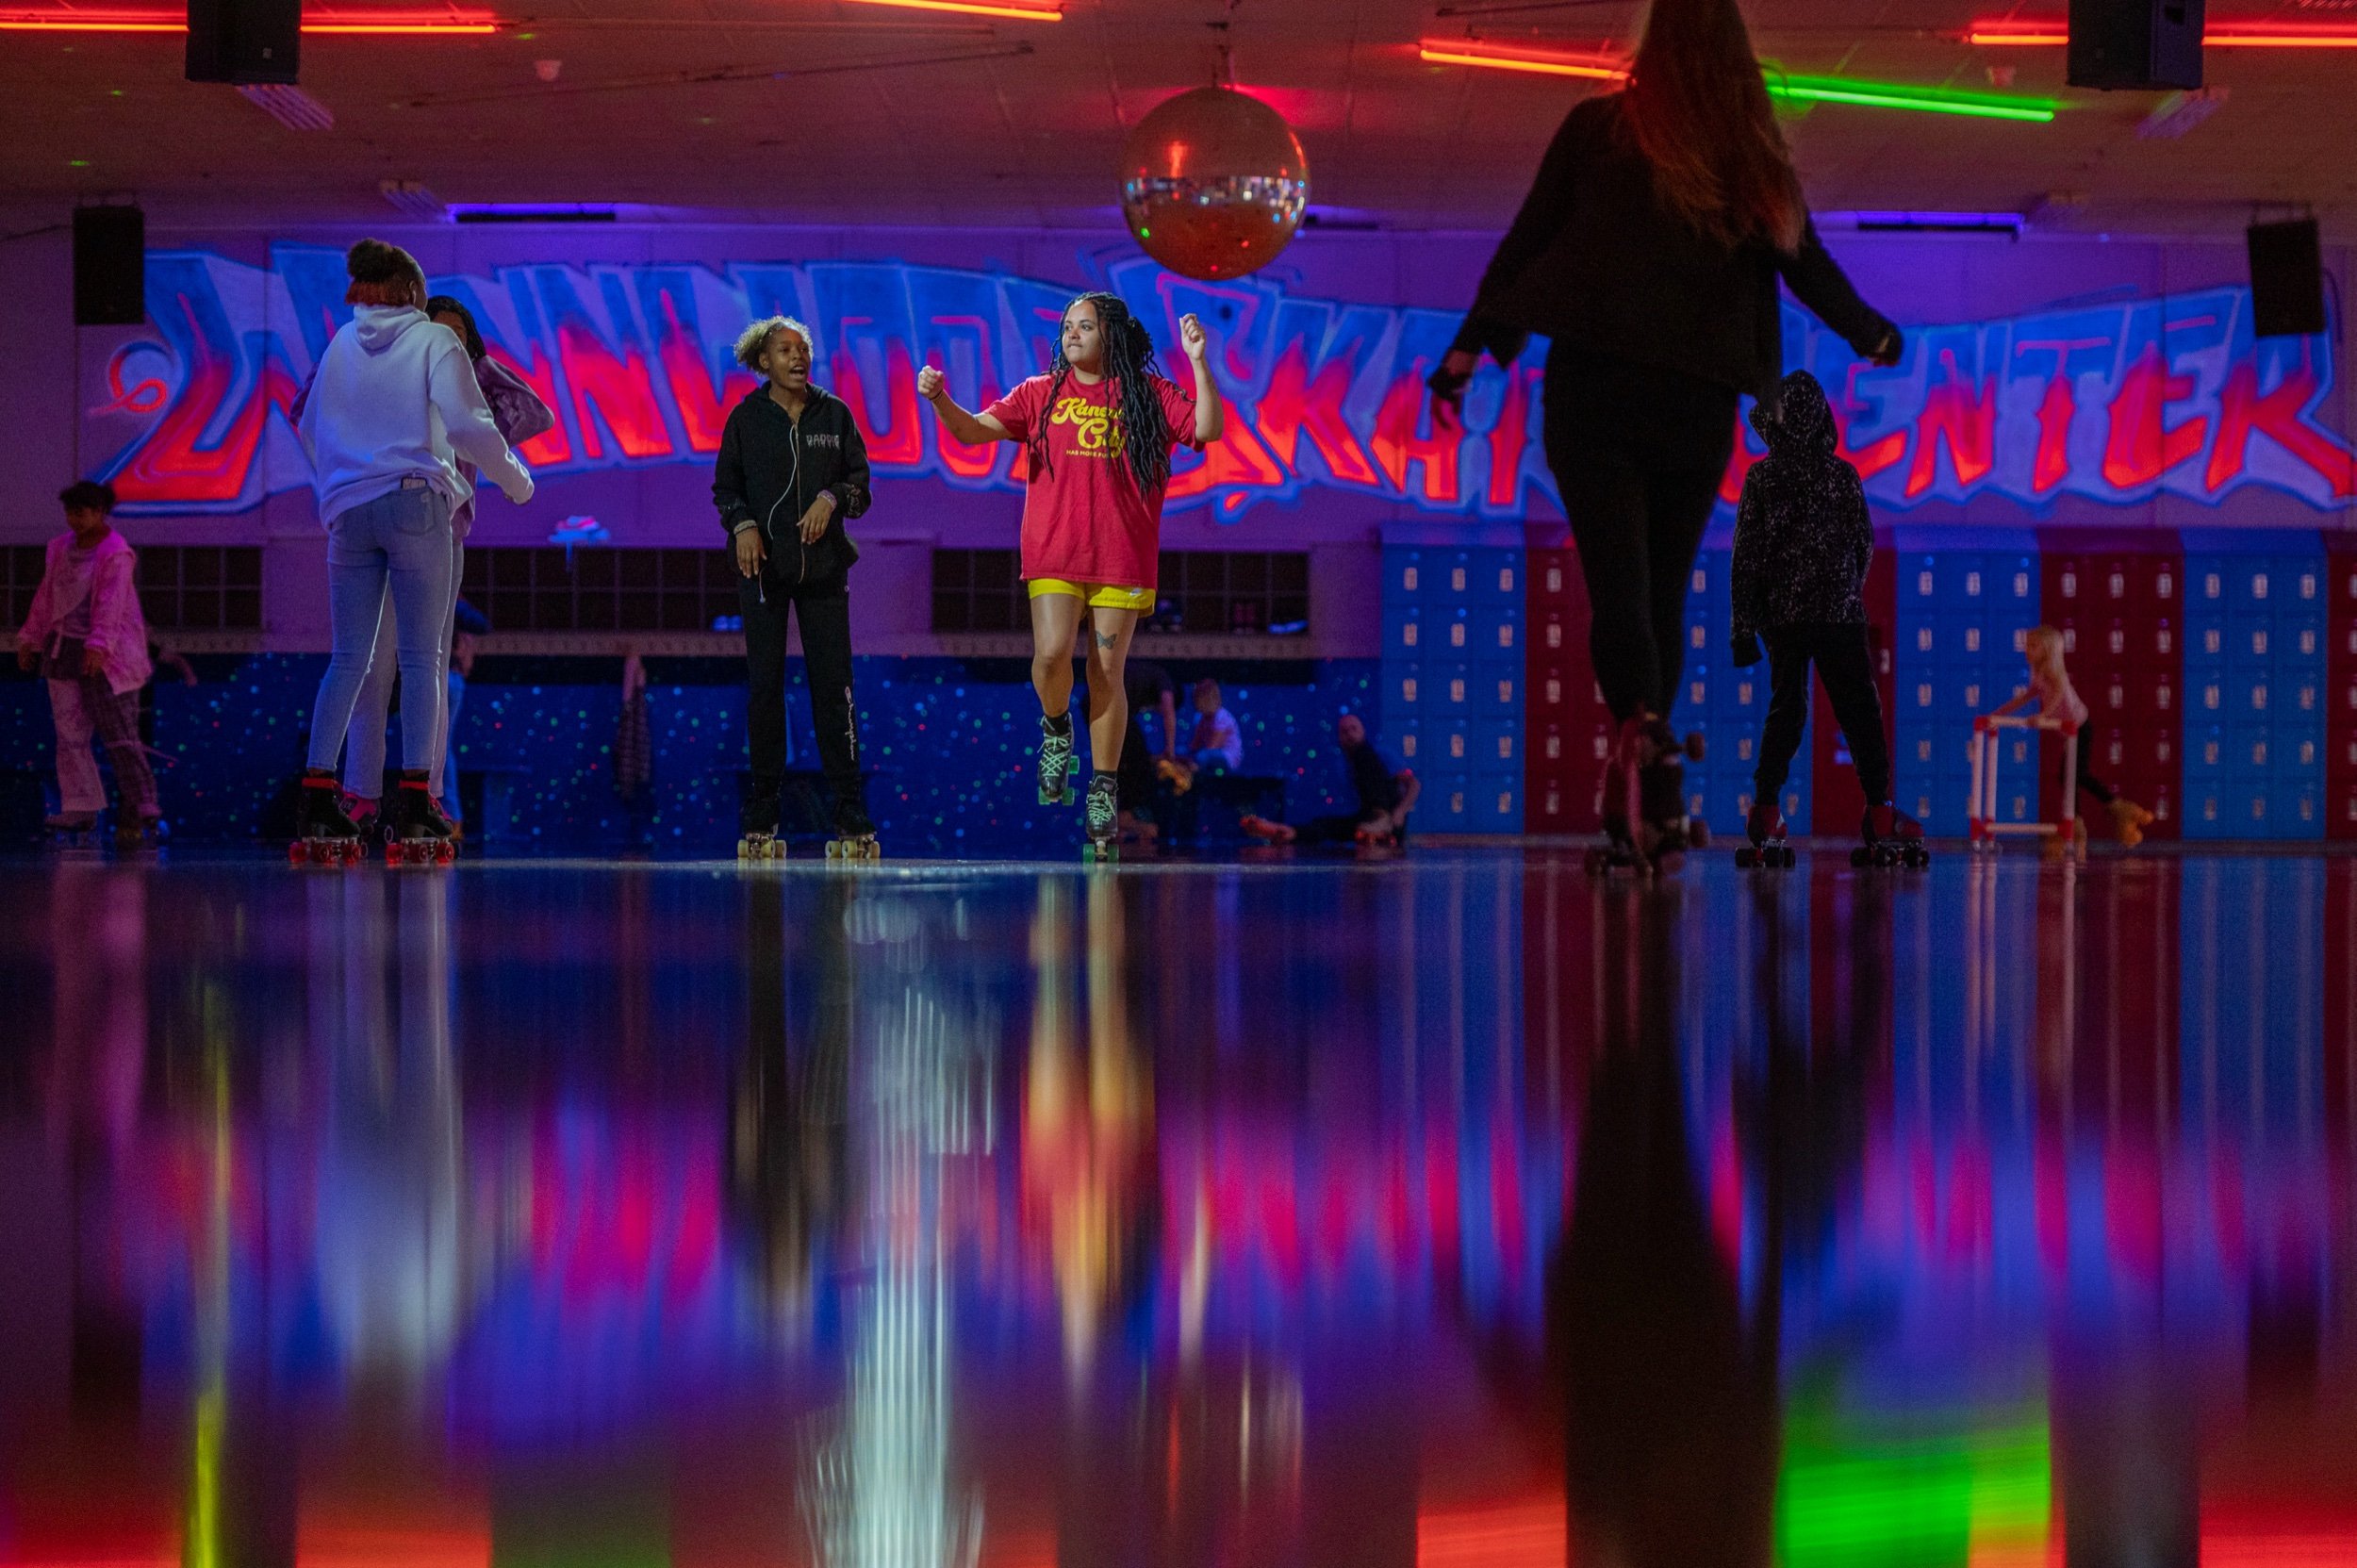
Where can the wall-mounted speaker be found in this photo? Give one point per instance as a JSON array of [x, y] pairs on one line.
[[109, 266], [2286, 279], [244, 41], [2135, 44]]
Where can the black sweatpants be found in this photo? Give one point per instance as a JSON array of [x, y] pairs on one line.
[[2104, 793], [1637, 453], [1845, 662], [827, 662]]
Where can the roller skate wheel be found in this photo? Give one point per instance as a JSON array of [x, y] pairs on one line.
[[1786, 856], [1861, 856], [1747, 857], [1698, 835]]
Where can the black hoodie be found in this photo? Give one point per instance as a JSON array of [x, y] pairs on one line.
[[1802, 536], [771, 468]]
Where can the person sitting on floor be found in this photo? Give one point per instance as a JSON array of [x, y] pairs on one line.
[[1386, 795], [1218, 743]]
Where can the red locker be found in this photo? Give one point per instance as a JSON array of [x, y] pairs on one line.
[[2116, 595], [1836, 802], [1565, 714], [2340, 698]]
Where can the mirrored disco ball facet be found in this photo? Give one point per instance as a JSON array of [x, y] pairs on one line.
[[1214, 184]]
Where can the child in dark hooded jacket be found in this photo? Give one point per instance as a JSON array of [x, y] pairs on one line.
[[1803, 540]]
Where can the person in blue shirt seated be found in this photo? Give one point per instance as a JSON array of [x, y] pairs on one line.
[[1218, 743], [1385, 794]]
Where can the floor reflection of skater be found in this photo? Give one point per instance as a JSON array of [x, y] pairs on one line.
[[1091, 1166], [792, 471], [1387, 793], [391, 1273], [1097, 431], [394, 408], [1670, 1396], [84, 632], [1648, 251], [789, 1154]]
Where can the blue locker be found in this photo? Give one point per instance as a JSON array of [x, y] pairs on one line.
[[1404, 738], [1446, 803], [1495, 746], [1404, 571], [1497, 689], [1496, 805], [1403, 630], [1498, 578]]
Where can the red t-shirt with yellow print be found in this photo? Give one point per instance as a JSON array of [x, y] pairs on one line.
[[1084, 519]]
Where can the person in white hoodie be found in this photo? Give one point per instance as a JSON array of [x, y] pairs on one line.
[[394, 406]]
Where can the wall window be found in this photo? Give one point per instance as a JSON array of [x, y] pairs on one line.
[[201, 587], [603, 589], [1219, 592]]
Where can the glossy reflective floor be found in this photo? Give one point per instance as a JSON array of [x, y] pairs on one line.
[[1454, 1212]]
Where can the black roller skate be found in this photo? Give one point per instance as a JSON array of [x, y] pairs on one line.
[[1055, 763], [1629, 842], [1765, 828], [74, 830], [757, 825], [1661, 790], [416, 832], [1103, 807], [323, 834], [367, 815], [854, 838], [136, 834], [1892, 839]]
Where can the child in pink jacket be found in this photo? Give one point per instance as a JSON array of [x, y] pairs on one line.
[[86, 632]]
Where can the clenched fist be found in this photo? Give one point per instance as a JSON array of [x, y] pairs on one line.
[[1192, 338], [929, 382]]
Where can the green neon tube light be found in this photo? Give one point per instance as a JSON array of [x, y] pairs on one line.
[[1923, 100]]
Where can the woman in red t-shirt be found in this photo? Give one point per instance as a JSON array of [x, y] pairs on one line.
[[1097, 431]]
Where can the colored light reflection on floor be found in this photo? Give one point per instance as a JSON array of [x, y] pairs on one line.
[[1453, 1210]]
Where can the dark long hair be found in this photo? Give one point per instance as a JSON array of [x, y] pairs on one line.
[[1699, 113], [442, 304], [1132, 367]]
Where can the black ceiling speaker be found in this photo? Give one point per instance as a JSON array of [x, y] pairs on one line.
[[2135, 44], [244, 41], [109, 266], [2286, 279]]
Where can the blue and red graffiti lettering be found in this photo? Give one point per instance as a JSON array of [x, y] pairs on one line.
[[2110, 402]]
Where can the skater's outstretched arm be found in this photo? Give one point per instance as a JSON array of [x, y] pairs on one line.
[[1210, 415], [971, 429]]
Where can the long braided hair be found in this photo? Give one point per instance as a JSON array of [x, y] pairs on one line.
[[1130, 365]]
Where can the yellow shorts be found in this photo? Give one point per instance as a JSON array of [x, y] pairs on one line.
[[1139, 600]]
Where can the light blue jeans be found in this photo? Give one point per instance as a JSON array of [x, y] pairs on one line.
[[401, 541], [364, 744]]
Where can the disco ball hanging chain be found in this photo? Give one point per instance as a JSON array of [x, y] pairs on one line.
[[1213, 183]]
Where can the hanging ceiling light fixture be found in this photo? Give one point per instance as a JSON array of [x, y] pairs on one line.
[[2011, 32]]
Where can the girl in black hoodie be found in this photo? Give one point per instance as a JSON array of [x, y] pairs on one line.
[[1803, 542]]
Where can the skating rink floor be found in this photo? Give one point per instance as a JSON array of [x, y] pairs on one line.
[[1453, 1211]]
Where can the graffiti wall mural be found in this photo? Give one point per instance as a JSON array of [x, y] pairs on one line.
[[2114, 403]]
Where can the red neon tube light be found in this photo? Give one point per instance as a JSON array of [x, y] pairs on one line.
[[977, 8], [2009, 33], [1506, 57], [350, 25]]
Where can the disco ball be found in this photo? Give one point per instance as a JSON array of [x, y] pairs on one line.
[[1214, 184]]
